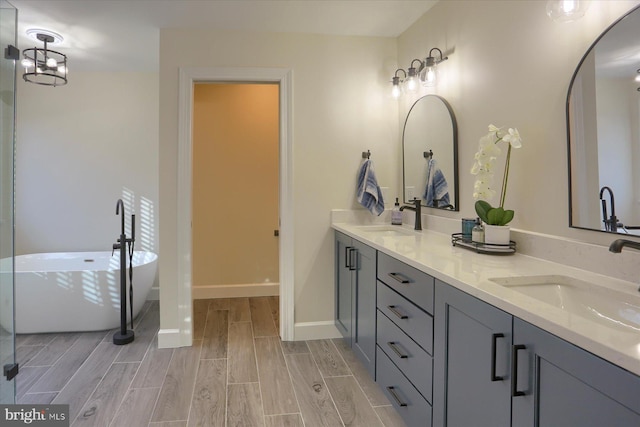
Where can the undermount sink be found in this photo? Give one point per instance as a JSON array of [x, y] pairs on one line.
[[387, 230], [608, 307]]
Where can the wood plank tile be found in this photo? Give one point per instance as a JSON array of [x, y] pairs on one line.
[[136, 408], [153, 367], [25, 353], [242, 357], [244, 406], [200, 308], [371, 389], [239, 310], [105, 400], [274, 303], [37, 398], [292, 347], [145, 332], [214, 344], [78, 390], [219, 304], [143, 312], [353, 406], [389, 416], [60, 373], [175, 396], [277, 389], [54, 350], [263, 325], [316, 406], [328, 358], [289, 420], [34, 339], [209, 401], [29, 375], [169, 424]]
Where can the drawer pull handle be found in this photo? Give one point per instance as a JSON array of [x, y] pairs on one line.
[[396, 350], [514, 370], [400, 278], [395, 311], [494, 338], [353, 262], [393, 394]]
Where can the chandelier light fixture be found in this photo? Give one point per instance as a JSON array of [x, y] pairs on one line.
[[44, 66]]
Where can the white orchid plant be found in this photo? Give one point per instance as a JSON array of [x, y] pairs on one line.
[[488, 152]]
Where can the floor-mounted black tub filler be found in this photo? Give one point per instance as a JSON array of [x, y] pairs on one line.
[[125, 336]]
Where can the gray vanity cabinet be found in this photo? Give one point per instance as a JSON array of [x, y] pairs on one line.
[[559, 384], [355, 297], [471, 361]]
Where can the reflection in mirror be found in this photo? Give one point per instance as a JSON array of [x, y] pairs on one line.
[[603, 125], [430, 154]]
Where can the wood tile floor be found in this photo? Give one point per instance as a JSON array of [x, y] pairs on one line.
[[237, 373]]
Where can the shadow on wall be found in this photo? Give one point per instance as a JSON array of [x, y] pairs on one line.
[[145, 219]]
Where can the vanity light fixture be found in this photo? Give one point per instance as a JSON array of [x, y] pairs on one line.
[[566, 10], [396, 89], [429, 72], [44, 66]]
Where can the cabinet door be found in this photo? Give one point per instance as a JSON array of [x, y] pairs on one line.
[[472, 342], [344, 285], [364, 330], [559, 384]]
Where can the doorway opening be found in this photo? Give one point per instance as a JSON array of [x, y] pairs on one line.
[[188, 77]]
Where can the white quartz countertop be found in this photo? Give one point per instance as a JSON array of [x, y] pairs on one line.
[[433, 253]]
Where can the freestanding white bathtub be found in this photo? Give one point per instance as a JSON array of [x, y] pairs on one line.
[[77, 291]]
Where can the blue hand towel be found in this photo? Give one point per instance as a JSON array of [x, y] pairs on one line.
[[437, 188], [368, 193]]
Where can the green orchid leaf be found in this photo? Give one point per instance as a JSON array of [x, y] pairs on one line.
[[495, 216], [482, 209], [508, 216]]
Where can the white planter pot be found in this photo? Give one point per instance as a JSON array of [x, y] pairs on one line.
[[497, 234]]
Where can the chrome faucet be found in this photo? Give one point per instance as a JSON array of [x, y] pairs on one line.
[[617, 245], [417, 208], [611, 223]]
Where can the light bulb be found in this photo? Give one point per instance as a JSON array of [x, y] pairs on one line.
[[568, 6], [52, 63], [566, 10], [429, 76], [395, 91], [27, 63], [638, 78], [411, 85], [38, 70], [62, 69]]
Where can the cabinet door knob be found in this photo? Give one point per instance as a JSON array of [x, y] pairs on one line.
[[494, 338], [514, 369]]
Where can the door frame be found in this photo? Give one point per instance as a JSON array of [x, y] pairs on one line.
[[188, 76]]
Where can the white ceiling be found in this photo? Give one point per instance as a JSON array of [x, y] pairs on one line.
[[119, 35]]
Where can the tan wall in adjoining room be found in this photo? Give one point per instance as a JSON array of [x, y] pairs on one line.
[[235, 184]]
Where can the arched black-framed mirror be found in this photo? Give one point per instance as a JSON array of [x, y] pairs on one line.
[[603, 129], [430, 154]]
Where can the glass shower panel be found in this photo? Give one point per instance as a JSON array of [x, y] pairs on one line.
[[8, 24]]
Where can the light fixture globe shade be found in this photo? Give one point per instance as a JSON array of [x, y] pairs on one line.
[[429, 75], [566, 10]]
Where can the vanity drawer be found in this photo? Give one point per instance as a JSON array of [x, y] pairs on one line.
[[408, 281], [413, 361], [407, 316], [411, 406]]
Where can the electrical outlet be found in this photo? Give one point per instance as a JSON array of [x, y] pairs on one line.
[[410, 191]]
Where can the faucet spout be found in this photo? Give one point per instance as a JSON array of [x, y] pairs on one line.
[[119, 205], [610, 223], [417, 208], [617, 245]]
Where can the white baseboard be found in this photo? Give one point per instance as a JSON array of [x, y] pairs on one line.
[[236, 291], [169, 338], [316, 331], [154, 294]]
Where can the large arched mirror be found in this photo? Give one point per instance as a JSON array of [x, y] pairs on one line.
[[603, 125], [430, 154]]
